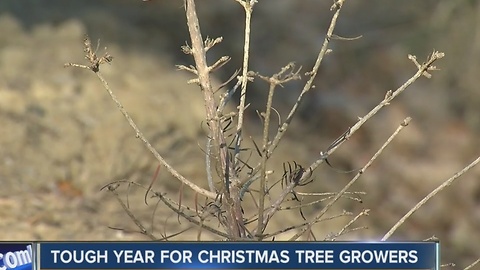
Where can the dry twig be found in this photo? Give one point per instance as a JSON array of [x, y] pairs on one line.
[[330, 204], [445, 184], [94, 66]]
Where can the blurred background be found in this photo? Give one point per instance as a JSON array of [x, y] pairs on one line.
[[63, 139]]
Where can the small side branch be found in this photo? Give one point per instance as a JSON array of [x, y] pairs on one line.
[[357, 176], [248, 7], [472, 265], [429, 196], [142, 228], [287, 74], [389, 96], [94, 65], [155, 153], [312, 75]]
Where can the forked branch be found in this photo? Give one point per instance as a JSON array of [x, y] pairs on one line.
[[94, 65], [306, 88], [357, 176], [230, 192]]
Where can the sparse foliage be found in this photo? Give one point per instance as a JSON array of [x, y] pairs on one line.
[[240, 211]]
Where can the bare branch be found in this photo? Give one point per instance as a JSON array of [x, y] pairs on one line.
[[276, 79], [248, 7], [220, 63], [308, 85], [94, 66], [375, 156], [429, 196], [157, 155], [209, 43], [143, 230], [365, 212], [472, 265], [233, 203], [389, 96]]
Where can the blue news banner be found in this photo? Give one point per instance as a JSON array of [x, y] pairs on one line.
[[238, 255]]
